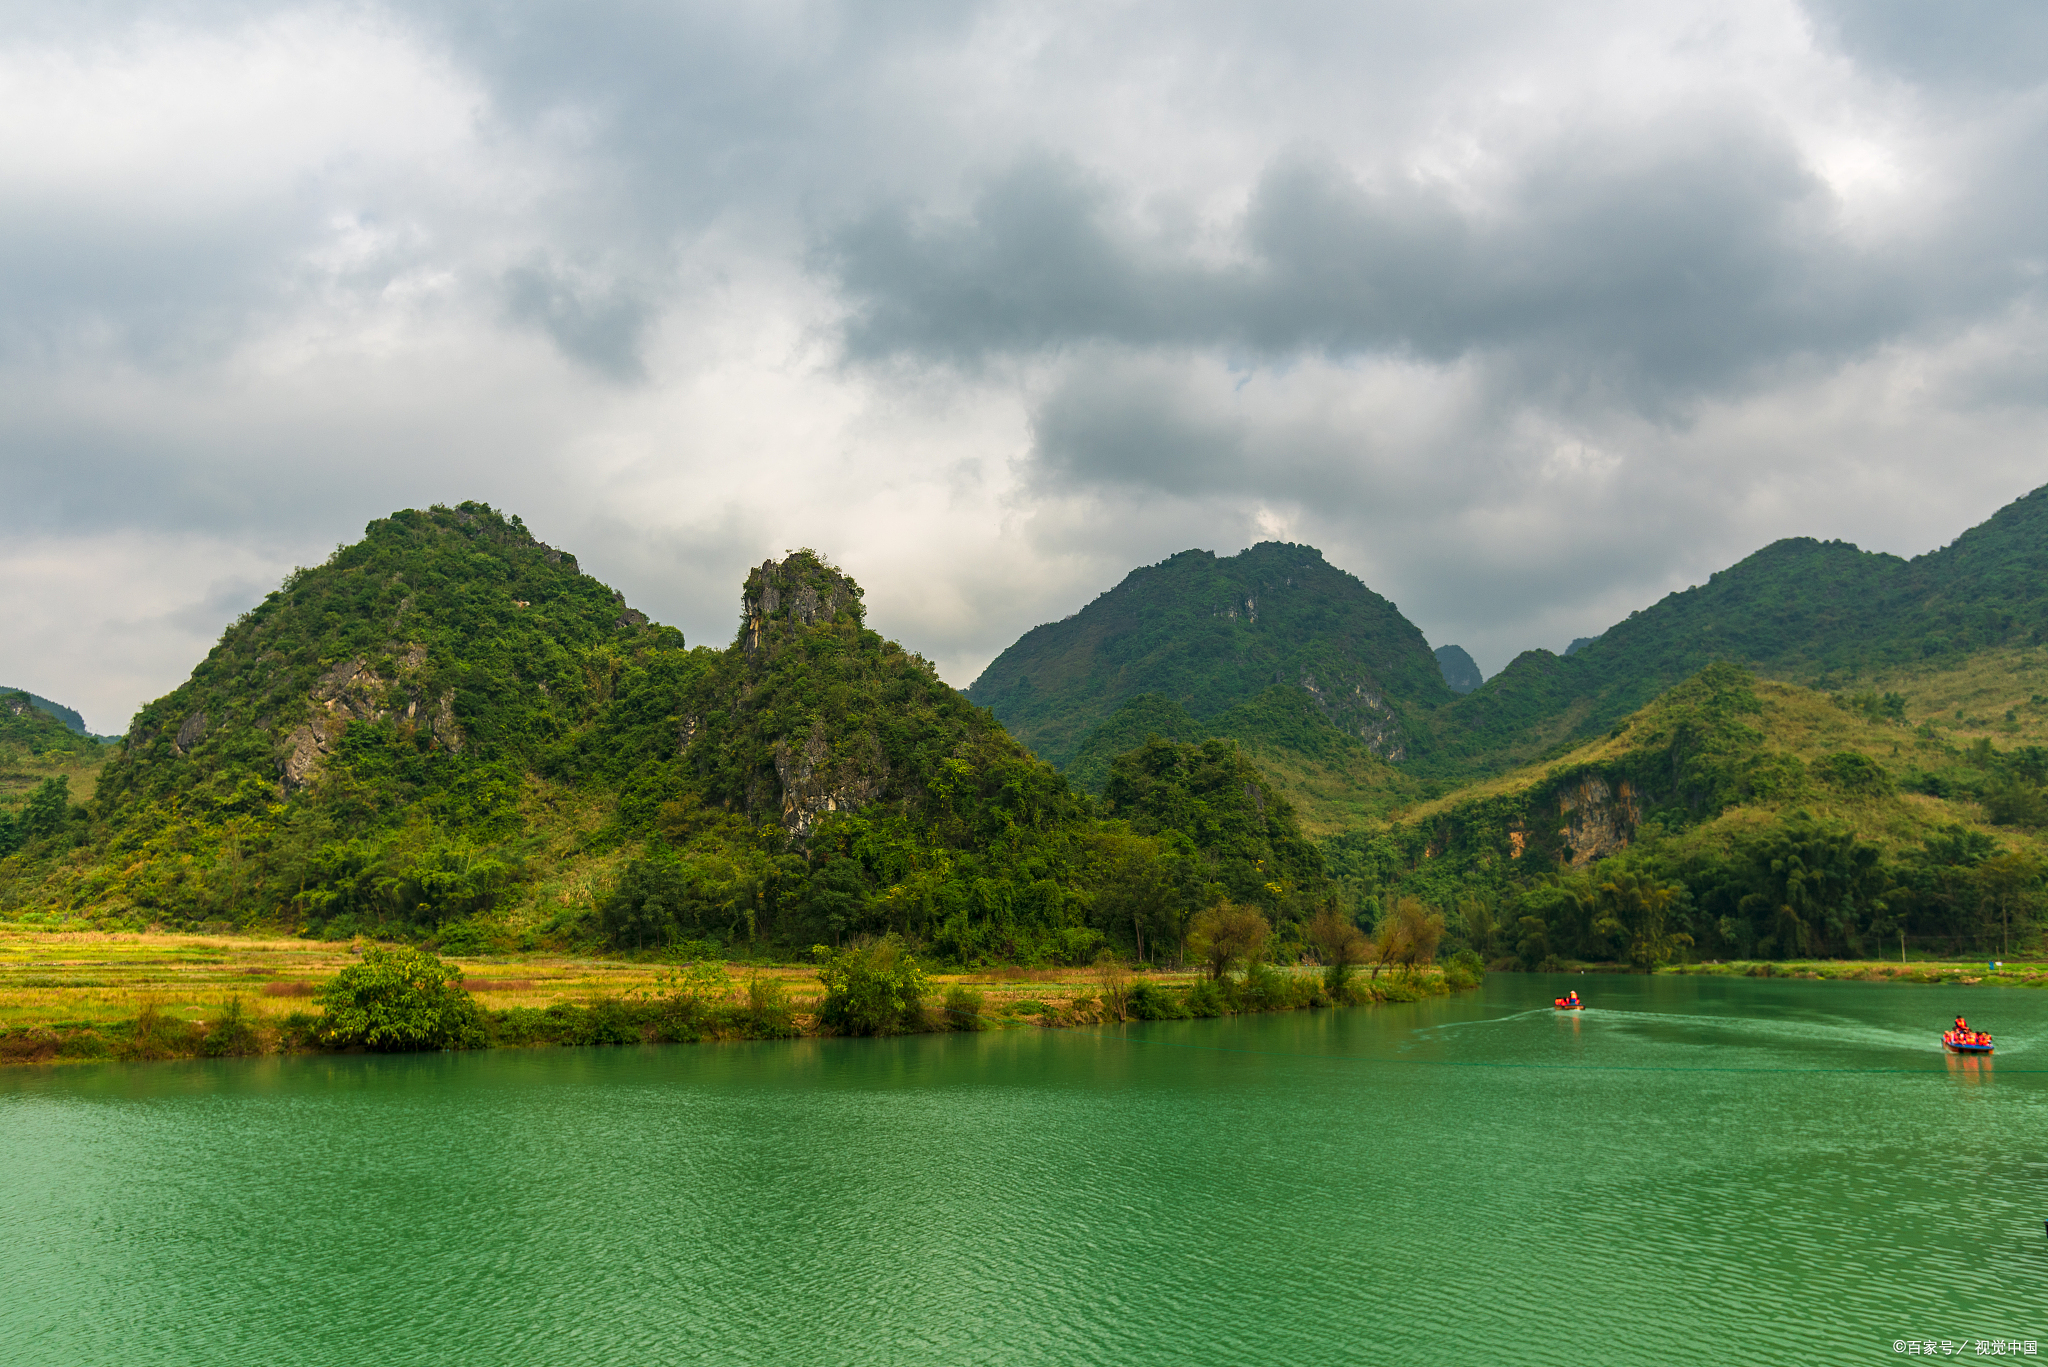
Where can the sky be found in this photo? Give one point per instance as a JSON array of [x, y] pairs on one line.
[[1525, 313]]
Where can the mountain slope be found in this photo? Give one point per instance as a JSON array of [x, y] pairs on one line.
[[1333, 781], [1800, 609], [1787, 821], [1211, 633], [72, 721]]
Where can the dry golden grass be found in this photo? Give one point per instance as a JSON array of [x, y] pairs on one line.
[[21, 772], [70, 978]]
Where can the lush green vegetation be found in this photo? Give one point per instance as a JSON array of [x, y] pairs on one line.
[[399, 999], [1732, 819], [1819, 612], [448, 734], [69, 717], [1212, 633]]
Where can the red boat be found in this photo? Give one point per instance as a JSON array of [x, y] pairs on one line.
[[1567, 1003], [1967, 1042]]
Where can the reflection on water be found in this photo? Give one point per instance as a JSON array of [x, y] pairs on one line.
[[1690, 1170]]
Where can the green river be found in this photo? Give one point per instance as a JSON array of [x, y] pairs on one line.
[[1693, 1170]]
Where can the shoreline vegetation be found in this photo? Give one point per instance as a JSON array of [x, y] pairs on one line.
[[89, 996]]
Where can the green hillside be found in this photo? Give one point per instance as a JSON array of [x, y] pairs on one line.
[[448, 732], [1211, 633], [45, 768], [1333, 781], [1817, 612], [1775, 821], [69, 716]]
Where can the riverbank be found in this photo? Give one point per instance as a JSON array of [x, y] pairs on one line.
[[1974, 973], [90, 995]]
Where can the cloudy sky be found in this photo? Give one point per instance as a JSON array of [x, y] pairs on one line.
[[1526, 313]]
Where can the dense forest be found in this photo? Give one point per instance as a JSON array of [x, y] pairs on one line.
[[448, 733]]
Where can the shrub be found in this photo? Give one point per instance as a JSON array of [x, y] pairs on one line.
[[607, 1020], [1115, 981], [1150, 1002], [155, 1035], [769, 1014], [1205, 999], [873, 988], [231, 1033], [687, 1001], [1264, 989], [964, 1008], [1466, 969], [398, 999]]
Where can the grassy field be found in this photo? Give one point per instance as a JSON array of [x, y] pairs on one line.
[[1972, 973], [21, 772], [89, 988]]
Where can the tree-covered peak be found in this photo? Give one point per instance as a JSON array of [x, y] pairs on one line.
[[1211, 632]]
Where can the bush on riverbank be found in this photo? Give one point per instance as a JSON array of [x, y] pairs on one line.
[[875, 988], [400, 999]]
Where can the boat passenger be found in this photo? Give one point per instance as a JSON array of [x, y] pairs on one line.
[[1962, 1026]]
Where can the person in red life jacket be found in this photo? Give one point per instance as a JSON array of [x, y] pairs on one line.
[[1572, 997], [1962, 1026]]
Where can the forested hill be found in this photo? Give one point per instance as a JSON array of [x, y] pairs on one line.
[[1803, 610], [69, 716], [1210, 633], [447, 731]]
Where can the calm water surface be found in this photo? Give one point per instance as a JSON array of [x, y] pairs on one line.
[[1692, 1171]]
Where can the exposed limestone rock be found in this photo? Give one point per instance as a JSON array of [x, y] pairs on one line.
[[813, 785], [308, 746], [784, 597], [444, 728], [1358, 708], [190, 733], [352, 691], [1598, 820]]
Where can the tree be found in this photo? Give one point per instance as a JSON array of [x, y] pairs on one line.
[[1408, 936], [43, 813], [1340, 944], [400, 999], [2010, 881], [1636, 909], [1227, 935]]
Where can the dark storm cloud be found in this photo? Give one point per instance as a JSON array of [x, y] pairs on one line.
[[597, 324], [1660, 264], [1978, 44]]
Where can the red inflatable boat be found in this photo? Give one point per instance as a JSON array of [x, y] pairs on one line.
[[1967, 1042]]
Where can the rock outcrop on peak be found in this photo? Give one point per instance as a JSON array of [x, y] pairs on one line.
[[784, 597]]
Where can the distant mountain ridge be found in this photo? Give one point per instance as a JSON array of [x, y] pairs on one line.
[[1803, 610], [72, 721], [1461, 671], [1212, 632]]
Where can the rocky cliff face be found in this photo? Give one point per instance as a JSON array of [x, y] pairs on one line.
[[1598, 820], [784, 598], [352, 691]]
